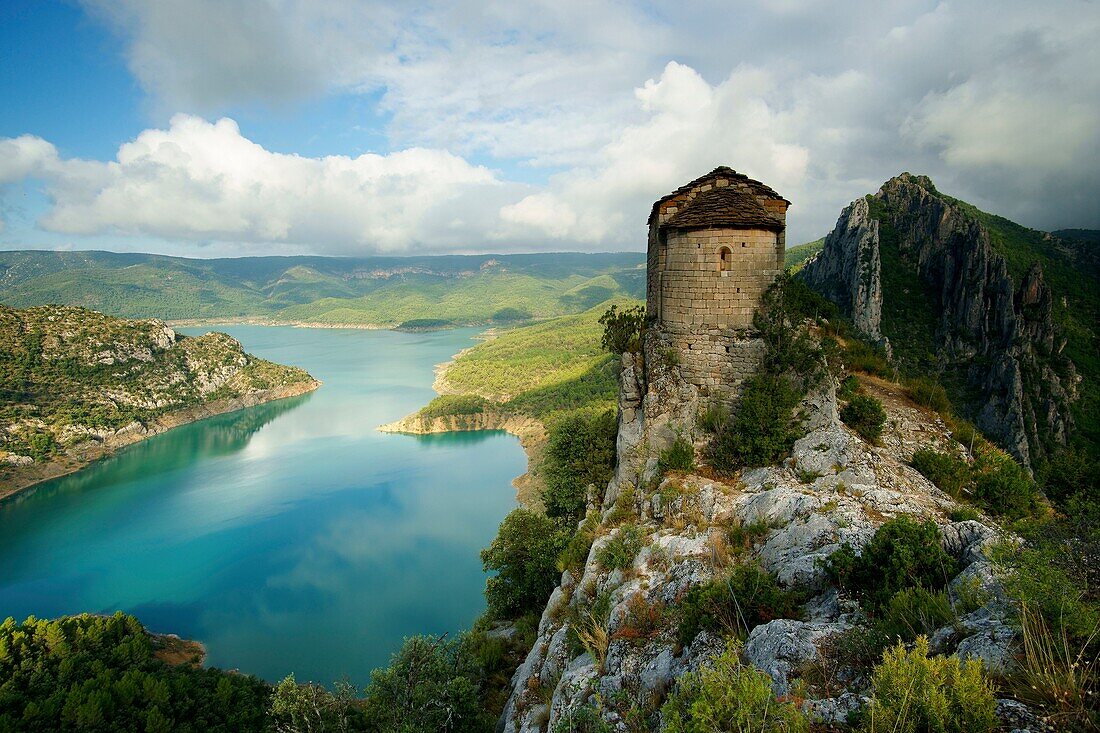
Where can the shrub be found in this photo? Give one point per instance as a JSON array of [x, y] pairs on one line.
[[306, 707], [1003, 485], [928, 393], [619, 552], [914, 612], [642, 621], [902, 554], [580, 452], [727, 695], [963, 514], [849, 388], [865, 415], [622, 329], [1072, 480], [713, 418], [949, 472], [585, 719], [1049, 579], [859, 356], [735, 604], [913, 693], [524, 554], [680, 456], [575, 554], [428, 686], [763, 430]]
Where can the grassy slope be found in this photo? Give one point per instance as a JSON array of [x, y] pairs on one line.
[[541, 370], [796, 256], [366, 290]]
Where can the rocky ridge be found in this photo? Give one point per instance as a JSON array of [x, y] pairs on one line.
[[996, 334], [834, 488]]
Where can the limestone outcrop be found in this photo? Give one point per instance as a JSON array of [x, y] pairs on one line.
[[989, 332], [848, 270], [834, 488]]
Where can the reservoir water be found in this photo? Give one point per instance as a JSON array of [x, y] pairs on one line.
[[289, 537]]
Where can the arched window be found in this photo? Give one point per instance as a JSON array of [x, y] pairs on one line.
[[725, 259]]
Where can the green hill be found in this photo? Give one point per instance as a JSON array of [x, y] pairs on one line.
[[797, 255], [381, 291]]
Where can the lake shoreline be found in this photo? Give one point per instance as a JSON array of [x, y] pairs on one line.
[[531, 433], [16, 479]]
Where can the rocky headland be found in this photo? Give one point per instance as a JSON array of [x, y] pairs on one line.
[[78, 385]]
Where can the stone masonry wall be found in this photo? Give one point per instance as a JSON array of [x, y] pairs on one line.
[[696, 292], [715, 360]]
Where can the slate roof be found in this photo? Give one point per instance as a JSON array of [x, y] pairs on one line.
[[723, 207], [736, 180]]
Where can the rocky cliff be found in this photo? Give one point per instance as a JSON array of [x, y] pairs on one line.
[[916, 270], [76, 385], [608, 641]]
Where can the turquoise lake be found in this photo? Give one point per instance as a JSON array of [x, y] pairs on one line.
[[289, 537]]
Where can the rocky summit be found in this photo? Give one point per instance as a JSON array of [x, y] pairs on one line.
[[917, 269]]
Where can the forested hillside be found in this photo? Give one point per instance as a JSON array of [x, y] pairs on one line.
[[380, 291]]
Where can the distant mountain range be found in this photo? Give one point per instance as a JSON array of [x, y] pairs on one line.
[[379, 291]]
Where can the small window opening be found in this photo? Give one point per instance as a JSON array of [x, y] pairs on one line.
[[744, 244], [725, 259]]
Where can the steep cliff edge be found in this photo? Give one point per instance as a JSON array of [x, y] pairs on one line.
[[613, 643], [917, 272]]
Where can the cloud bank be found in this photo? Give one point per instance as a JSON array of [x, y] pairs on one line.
[[616, 102]]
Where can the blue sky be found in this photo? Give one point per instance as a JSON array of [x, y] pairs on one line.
[[223, 127]]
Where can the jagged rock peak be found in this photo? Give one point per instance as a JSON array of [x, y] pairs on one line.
[[993, 334]]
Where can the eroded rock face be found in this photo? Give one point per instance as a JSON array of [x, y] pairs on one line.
[[834, 488], [997, 333], [848, 270]]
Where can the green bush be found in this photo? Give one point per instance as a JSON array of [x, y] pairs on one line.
[[1072, 481], [947, 471], [928, 393], [849, 388], [429, 685], [727, 695], [914, 612], [914, 693], [860, 356], [622, 329], [763, 430], [735, 604], [575, 554], [307, 707], [582, 720], [963, 514], [619, 552], [713, 418], [524, 555], [1003, 485], [865, 415], [1050, 577], [680, 456], [902, 554], [580, 452]]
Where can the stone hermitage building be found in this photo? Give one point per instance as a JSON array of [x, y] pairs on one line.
[[715, 245]]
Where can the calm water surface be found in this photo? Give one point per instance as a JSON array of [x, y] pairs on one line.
[[289, 537]]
